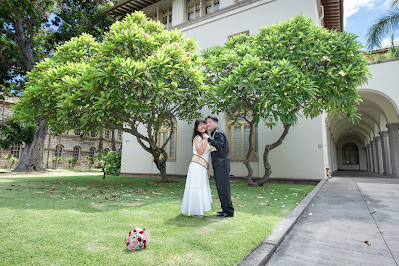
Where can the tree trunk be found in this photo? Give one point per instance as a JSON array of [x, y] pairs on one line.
[[113, 147], [31, 158], [160, 162], [248, 178], [268, 148]]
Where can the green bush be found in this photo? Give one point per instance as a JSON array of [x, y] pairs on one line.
[[72, 162], [113, 160]]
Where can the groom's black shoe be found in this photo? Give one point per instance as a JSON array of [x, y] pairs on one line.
[[219, 212], [226, 215]]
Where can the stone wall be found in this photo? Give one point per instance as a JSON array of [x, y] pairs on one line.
[[67, 140]]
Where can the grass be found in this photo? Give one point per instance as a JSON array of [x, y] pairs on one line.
[[83, 219]]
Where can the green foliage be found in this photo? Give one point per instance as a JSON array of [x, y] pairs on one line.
[[80, 16], [90, 160], [22, 37], [15, 132], [385, 25], [72, 162], [139, 75], [10, 160], [287, 68], [113, 160]]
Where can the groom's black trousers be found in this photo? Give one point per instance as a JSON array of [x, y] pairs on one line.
[[222, 179]]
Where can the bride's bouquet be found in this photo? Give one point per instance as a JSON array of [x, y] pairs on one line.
[[137, 239]]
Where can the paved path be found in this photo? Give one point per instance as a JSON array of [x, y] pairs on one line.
[[354, 220]]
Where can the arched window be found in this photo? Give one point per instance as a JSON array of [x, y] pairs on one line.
[[92, 152], [77, 132], [238, 137], [93, 134], [15, 150], [58, 151], [106, 151], [163, 135], [76, 152], [350, 153]]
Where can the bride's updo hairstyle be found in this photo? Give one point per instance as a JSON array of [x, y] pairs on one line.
[[196, 132]]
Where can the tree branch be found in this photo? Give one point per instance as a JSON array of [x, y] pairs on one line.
[[13, 35]]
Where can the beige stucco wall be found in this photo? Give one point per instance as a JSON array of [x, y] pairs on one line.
[[300, 155]]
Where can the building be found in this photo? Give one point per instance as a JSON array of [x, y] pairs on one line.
[[313, 148], [68, 145]]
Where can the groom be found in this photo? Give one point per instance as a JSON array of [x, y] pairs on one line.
[[221, 165]]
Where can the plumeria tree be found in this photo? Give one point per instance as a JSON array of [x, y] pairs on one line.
[[288, 70], [137, 79]]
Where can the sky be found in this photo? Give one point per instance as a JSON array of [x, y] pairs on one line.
[[359, 15]]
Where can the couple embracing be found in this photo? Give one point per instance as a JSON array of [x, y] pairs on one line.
[[197, 197]]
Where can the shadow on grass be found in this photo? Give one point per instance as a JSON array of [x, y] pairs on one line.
[[189, 221]]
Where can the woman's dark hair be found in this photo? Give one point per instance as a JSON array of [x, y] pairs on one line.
[[196, 132]]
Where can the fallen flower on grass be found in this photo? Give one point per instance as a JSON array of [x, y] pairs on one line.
[[264, 204], [242, 205]]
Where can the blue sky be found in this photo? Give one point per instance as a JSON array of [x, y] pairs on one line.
[[359, 15]]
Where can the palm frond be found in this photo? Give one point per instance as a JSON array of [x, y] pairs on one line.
[[384, 26]]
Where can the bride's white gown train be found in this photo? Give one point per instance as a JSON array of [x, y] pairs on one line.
[[197, 197]]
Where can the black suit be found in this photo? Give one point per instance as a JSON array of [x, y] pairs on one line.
[[221, 168]]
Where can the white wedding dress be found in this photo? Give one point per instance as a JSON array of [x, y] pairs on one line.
[[197, 197]]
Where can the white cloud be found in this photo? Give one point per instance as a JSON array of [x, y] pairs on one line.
[[387, 4], [388, 41], [351, 7]]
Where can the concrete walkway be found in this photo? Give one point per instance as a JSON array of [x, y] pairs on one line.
[[353, 220]]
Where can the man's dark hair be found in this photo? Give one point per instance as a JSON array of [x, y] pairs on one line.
[[214, 118]]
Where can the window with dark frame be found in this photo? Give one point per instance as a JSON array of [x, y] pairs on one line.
[[350, 154], [76, 153]]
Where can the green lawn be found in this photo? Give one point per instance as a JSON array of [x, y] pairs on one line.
[[83, 219]]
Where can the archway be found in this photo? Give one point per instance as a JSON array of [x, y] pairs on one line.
[[375, 136]]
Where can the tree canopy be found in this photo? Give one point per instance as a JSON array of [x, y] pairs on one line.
[[288, 70], [138, 78], [385, 25]]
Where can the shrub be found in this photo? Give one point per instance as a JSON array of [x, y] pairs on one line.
[[72, 162], [113, 160]]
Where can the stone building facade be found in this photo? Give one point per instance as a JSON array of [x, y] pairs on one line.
[[68, 145]]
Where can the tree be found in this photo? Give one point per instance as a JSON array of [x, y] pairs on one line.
[[21, 27], [79, 16], [137, 79], [385, 25], [289, 69], [26, 37]]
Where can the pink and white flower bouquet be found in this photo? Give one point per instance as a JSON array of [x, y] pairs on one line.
[[137, 239]]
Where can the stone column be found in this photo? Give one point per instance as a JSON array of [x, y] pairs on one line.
[[367, 157], [394, 147], [371, 158], [378, 154], [386, 159], [374, 155]]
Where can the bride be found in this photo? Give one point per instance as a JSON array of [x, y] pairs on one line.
[[197, 197]]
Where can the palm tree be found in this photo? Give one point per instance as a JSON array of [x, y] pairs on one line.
[[385, 25]]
